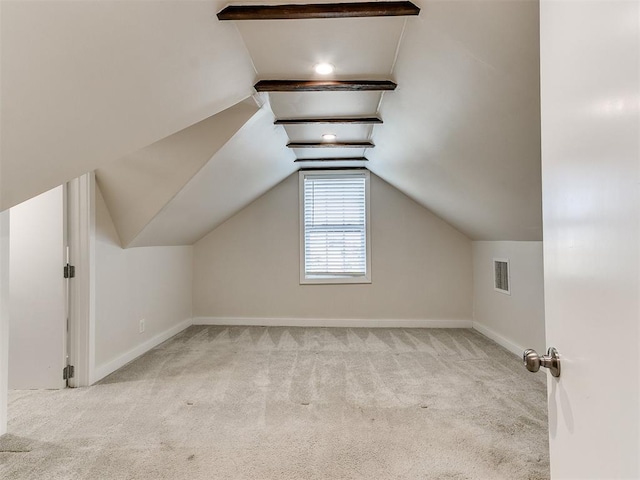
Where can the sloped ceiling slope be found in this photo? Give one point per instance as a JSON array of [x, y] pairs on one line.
[[84, 83], [137, 186], [462, 131], [251, 163]]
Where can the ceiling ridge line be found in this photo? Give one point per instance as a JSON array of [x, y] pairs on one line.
[[393, 67], [398, 45]]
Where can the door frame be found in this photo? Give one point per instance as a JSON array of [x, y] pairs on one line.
[[4, 319], [81, 242]]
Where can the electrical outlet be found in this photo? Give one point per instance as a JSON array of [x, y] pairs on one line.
[[142, 326]]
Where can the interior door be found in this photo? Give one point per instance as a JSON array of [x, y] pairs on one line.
[[37, 293], [590, 91]]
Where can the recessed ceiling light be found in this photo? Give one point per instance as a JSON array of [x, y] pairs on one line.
[[324, 68], [329, 137]]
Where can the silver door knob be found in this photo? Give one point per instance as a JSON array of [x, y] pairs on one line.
[[551, 360]]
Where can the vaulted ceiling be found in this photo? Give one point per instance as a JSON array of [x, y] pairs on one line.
[[159, 97]]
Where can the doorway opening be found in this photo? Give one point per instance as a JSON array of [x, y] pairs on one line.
[[49, 289]]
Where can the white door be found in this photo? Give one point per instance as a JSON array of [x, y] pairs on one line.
[[37, 293], [590, 91]]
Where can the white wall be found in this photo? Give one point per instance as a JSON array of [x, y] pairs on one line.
[[37, 305], [515, 321], [247, 269], [153, 283]]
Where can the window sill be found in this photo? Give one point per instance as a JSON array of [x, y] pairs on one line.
[[334, 280]]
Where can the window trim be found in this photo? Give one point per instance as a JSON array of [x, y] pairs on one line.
[[366, 278]]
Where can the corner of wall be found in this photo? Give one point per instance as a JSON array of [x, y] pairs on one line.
[[513, 321], [150, 283], [499, 339], [120, 361], [104, 220]]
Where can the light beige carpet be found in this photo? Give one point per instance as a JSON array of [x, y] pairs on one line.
[[292, 403]]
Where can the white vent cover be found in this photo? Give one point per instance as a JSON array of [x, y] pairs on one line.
[[501, 277]]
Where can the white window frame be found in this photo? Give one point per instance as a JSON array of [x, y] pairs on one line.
[[338, 279]]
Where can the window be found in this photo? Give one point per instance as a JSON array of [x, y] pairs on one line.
[[334, 221], [501, 275]]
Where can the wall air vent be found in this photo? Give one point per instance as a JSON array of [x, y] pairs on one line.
[[501, 277]]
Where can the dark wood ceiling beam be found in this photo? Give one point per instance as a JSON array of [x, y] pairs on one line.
[[341, 159], [330, 145], [324, 85], [355, 120], [318, 10]]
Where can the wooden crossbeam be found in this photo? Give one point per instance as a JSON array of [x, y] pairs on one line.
[[300, 121], [330, 145], [324, 85], [318, 10], [342, 159]]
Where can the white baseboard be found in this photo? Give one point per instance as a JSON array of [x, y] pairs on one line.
[[103, 370], [499, 339], [333, 322]]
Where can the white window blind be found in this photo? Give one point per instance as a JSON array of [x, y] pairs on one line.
[[335, 225]]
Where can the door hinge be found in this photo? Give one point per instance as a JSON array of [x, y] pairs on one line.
[[69, 271], [67, 372]]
